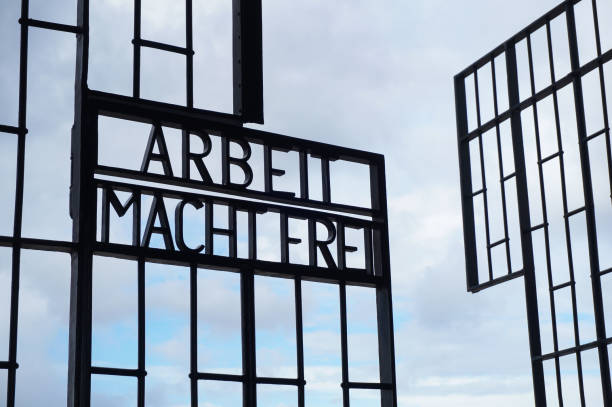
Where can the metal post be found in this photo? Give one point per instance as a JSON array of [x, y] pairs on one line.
[[384, 307], [531, 299], [83, 211], [600, 324], [248, 66], [18, 215]]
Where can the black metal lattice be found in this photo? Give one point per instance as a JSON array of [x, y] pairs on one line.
[[527, 142], [89, 177]]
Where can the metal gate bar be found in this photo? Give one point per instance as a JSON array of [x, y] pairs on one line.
[[518, 104]]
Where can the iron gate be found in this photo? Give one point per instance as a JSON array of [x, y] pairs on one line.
[[527, 135], [94, 187]]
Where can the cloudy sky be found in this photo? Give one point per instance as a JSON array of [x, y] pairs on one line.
[[375, 76]]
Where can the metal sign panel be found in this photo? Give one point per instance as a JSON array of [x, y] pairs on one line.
[[530, 147], [95, 188]]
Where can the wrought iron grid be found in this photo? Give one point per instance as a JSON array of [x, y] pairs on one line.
[[86, 182], [527, 195]]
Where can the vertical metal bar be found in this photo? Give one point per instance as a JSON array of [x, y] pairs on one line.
[[303, 175], [568, 240], [386, 347], [248, 67], [604, 98], [136, 42], [237, 55], [18, 209], [501, 169], [465, 176], [341, 239], [233, 236], [485, 200], [83, 201], [600, 325], [284, 240], [299, 340], [531, 299], [344, 346], [136, 208], [141, 332], [325, 179], [193, 333], [209, 224], [82, 204], [384, 301], [23, 65], [267, 159], [189, 43], [247, 296], [367, 248], [11, 378], [252, 225], [105, 216], [545, 224]]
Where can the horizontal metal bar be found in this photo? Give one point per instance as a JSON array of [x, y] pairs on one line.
[[180, 117], [131, 108], [501, 241], [11, 129], [575, 212], [538, 226], [281, 381], [262, 267], [572, 350], [227, 189], [597, 133], [162, 46], [38, 244], [555, 12], [495, 281], [112, 371], [564, 285], [219, 377], [550, 157], [371, 386], [606, 271], [508, 177], [51, 26], [257, 207], [8, 365], [480, 191], [222, 232]]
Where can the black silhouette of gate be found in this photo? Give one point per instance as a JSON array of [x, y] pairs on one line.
[[88, 177], [503, 130]]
